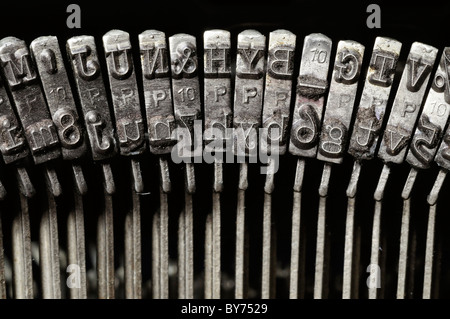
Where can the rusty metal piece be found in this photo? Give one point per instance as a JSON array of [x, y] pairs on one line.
[[374, 98], [22, 80], [341, 98], [161, 125], [13, 145], [305, 132], [92, 93], [55, 83], [125, 96], [434, 193], [157, 91], [407, 103], [312, 84], [248, 94], [433, 119], [218, 121], [217, 88], [275, 119], [334, 139], [187, 109], [277, 91], [185, 82], [12, 140]]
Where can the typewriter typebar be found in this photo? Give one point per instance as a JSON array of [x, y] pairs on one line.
[[223, 164]]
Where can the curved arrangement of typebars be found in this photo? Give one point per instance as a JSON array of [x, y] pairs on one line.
[[39, 117]]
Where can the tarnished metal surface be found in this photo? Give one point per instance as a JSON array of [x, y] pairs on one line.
[[433, 119], [364, 138], [218, 121], [12, 144], [92, 94], [248, 92], [275, 118], [277, 91], [124, 92], [312, 85], [185, 81], [374, 98], [440, 91], [187, 109], [98, 120], [341, 98], [217, 83], [407, 103], [157, 90], [58, 93], [22, 79]]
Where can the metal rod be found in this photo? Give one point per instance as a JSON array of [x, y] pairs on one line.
[[76, 248], [353, 184], [79, 179], [166, 185], [266, 288], [24, 183], [403, 254], [295, 246], [160, 257], [429, 247], [108, 179], [189, 245], [404, 233], [213, 239], [133, 271], [187, 232], [53, 183], [407, 189], [320, 250], [186, 243], [156, 255], [208, 257], [105, 249], [379, 191], [349, 254], [76, 237], [433, 196], [164, 246], [49, 249], [348, 249], [136, 172], [21, 240], [241, 285], [295, 237], [181, 257], [2, 264], [216, 243], [319, 285], [324, 183], [375, 249]]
